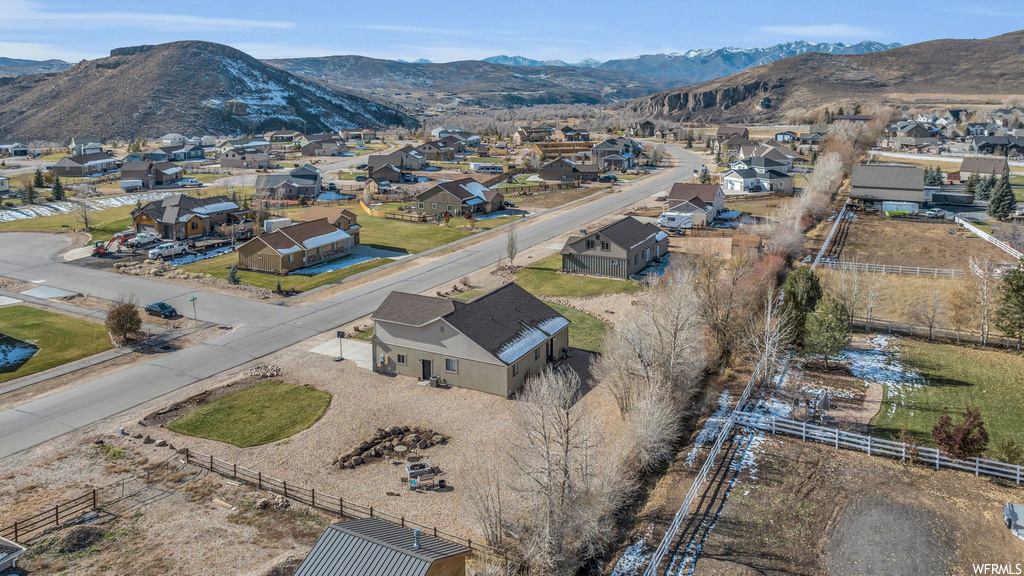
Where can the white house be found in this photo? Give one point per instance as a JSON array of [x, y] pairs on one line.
[[5, 184], [172, 139], [442, 131]]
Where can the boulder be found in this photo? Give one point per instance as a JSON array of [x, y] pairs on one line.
[[350, 465], [405, 428], [422, 445], [147, 440], [364, 446], [396, 431], [161, 443], [437, 439], [358, 460]]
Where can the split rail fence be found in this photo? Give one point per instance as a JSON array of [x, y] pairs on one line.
[[878, 447], [325, 502]]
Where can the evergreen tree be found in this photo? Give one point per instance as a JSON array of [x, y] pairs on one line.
[[840, 112], [827, 329], [856, 108], [718, 157], [233, 275], [933, 176], [971, 186], [800, 294], [30, 191], [58, 189], [37, 179], [1010, 315], [1002, 204], [985, 186]]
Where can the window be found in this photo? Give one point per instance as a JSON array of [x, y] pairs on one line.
[[536, 354], [291, 257], [590, 244], [450, 209], [433, 205], [401, 359], [515, 369], [421, 204], [195, 225], [451, 365], [636, 259], [259, 256], [606, 246]]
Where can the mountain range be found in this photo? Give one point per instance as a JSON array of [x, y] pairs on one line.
[[15, 67], [702, 65], [983, 71], [189, 87]]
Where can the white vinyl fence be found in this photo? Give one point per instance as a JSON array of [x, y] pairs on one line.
[[877, 446], [893, 269], [991, 239], [923, 331]]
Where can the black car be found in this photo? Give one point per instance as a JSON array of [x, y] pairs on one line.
[[608, 178], [161, 309]]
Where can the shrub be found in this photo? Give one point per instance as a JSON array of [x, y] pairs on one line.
[[965, 440], [233, 276], [123, 320]]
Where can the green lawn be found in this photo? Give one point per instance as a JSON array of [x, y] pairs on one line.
[[60, 338], [263, 413], [586, 331], [466, 295], [958, 376], [219, 266], [542, 278], [409, 237], [365, 335], [350, 175]]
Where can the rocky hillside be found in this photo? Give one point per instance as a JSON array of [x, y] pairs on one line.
[[188, 87], [487, 83], [16, 67], [802, 83]]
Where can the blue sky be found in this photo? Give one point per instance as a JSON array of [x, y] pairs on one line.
[[444, 31]]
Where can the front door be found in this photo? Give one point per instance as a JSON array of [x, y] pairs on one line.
[[427, 369], [551, 349]]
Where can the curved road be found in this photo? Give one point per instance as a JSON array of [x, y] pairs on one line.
[[260, 328]]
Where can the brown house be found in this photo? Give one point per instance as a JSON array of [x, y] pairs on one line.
[[338, 217], [84, 165], [983, 167], [406, 158], [388, 173], [617, 250], [182, 217], [704, 201], [567, 134], [531, 134], [292, 247], [323, 148], [459, 197], [565, 170], [435, 150]]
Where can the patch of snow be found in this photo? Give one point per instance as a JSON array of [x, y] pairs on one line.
[[190, 258], [634, 558], [529, 339], [712, 426], [54, 208], [880, 366], [340, 263]]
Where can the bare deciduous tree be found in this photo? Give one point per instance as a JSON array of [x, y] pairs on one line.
[[875, 294], [512, 244], [770, 334], [83, 212], [929, 311]]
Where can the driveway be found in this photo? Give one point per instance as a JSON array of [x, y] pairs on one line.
[[260, 328]]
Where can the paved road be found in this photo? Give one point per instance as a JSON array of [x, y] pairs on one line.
[[260, 328]]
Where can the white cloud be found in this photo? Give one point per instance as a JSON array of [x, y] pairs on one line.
[[32, 15], [832, 31]]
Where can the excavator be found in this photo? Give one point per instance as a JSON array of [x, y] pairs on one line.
[[101, 248]]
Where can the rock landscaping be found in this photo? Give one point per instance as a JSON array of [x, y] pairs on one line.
[[384, 441], [163, 269]]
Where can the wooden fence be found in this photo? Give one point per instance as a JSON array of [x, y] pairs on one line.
[[891, 269], [521, 189], [499, 178], [325, 502], [924, 331], [879, 447]]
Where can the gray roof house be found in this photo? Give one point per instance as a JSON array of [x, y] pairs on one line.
[[878, 183], [302, 180], [9, 553], [492, 344], [618, 250], [371, 546], [617, 153]]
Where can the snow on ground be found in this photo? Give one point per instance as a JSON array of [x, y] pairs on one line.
[[350, 260], [634, 558], [55, 208], [14, 353], [711, 427], [880, 365], [190, 258], [752, 445]]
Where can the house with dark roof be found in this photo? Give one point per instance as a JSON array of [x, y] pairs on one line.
[[175, 153], [302, 180], [371, 546], [618, 250], [435, 150], [181, 217], [532, 134], [247, 158], [390, 175], [293, 247], [491, 344], [617, 153], [569, 134], [458, 197], [757, 174], [724, 132], [406, 158], [13, 148], [703, 201], [643, 129], [323, 148], [85, 145], [998, 145], [151, 173], [84, 165], [877, 183], [983, 167], [565, 170]]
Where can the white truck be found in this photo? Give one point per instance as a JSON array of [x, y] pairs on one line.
[[675, 220], [168, 250], [142, 240]]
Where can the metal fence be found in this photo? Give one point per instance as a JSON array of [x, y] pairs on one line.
[[698, 482], [932, 332], [879, 447], [321, 501], [893, 269]]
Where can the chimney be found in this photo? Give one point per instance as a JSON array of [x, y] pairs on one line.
[[416, 539]]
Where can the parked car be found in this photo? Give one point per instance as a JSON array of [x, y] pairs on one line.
[[507, 204], [360, 178], [608, 178], [361, 167], [161, 309], [190, 183], [935, 213], [168, 250], [142, 240], [332, 186]]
